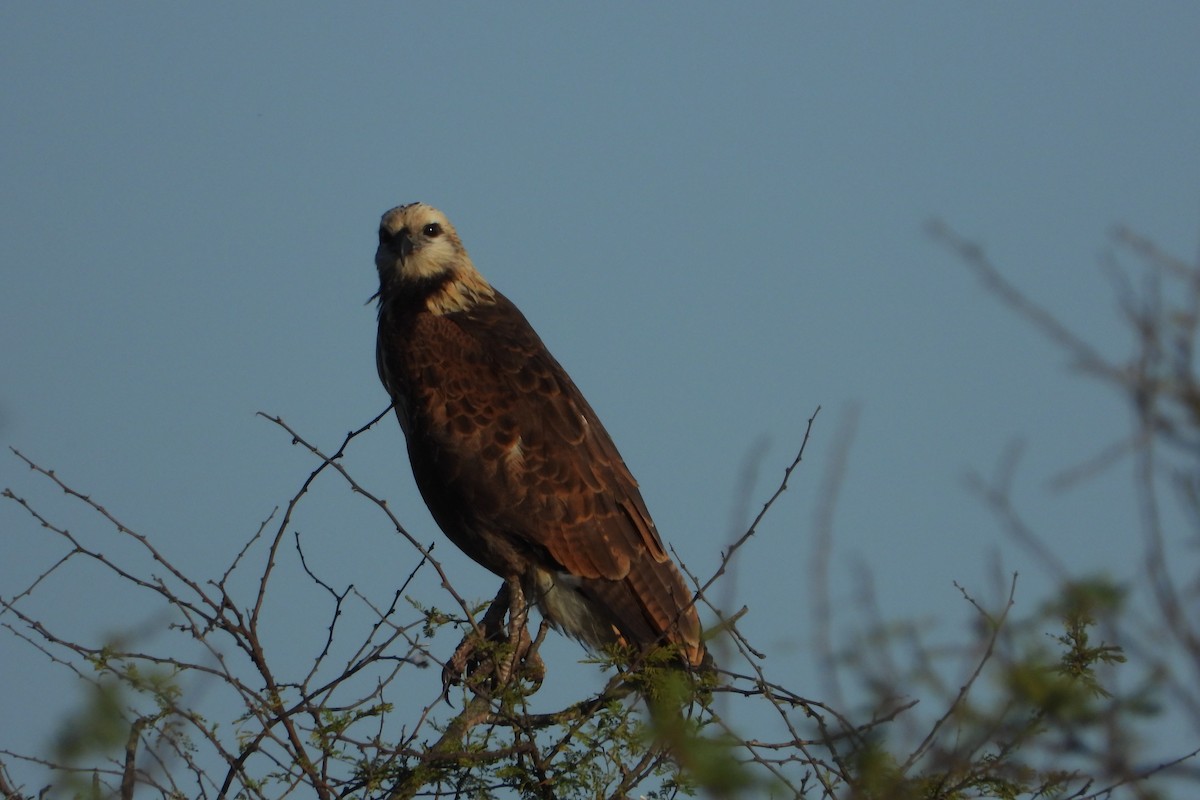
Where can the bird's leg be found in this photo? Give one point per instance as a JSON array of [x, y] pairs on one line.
[[534, 669], [493, 631], [522, 660], [517, 635], [525, 649]]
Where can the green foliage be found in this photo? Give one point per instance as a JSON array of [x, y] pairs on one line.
[[98, 727], [1081, 606], [1004, 733]]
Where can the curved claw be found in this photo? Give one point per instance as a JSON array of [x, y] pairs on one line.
[[480, 670]]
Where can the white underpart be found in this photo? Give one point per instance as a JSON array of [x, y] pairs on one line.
[[560, 602]]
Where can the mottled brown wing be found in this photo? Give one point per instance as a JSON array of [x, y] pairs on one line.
[[504, 445]]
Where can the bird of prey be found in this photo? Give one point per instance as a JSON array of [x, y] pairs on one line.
[[512, 461]]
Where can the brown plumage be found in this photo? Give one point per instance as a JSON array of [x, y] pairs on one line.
[[511, 460]]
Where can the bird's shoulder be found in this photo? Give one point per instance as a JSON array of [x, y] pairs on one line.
[[493, 345]]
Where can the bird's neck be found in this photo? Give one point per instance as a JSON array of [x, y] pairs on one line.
[[453, 291]]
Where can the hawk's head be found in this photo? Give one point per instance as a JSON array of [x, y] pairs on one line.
[[420, 253]]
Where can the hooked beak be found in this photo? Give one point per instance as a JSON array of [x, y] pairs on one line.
[[405, 244]]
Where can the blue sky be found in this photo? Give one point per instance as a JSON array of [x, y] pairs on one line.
[[713, 216]]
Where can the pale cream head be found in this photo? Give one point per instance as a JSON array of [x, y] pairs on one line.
[[417, 241], [418, 245]]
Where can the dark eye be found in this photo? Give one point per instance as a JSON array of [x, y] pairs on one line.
[[432, 230], [384, 236]]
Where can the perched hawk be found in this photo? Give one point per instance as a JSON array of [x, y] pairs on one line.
[[511, 460]]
